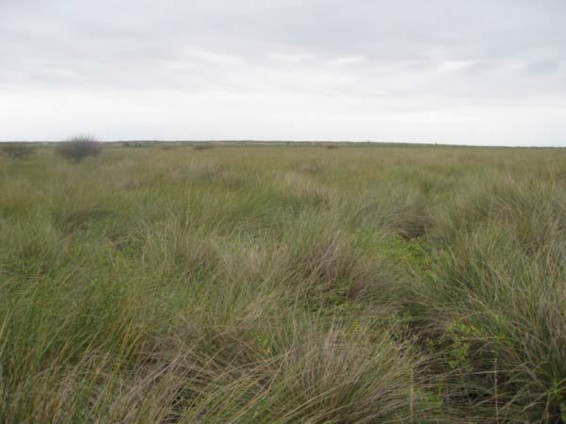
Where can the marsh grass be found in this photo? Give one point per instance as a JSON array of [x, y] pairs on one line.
[[284, 284], [14, 150]]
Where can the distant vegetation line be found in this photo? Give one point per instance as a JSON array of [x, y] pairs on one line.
[[291, 143]]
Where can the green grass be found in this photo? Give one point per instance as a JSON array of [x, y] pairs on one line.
[[283, 284]]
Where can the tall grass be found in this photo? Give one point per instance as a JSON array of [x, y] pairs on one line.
[[284, 284]]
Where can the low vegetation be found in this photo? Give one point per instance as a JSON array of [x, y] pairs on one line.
[[16, 150], [283, 284]]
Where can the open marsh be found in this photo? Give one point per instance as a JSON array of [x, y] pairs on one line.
[[283, 284]]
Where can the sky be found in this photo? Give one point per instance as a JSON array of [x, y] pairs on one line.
[[486, 72]]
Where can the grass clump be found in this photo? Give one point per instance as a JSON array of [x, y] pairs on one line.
[[203, 146], [17, 150]]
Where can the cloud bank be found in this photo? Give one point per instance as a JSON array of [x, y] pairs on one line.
[[446, 71]]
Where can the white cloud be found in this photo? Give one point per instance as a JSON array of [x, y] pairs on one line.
[[291, 58], [212, 57], [349, 60]]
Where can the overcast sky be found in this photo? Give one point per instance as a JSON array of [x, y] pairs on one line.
[[446, 71]]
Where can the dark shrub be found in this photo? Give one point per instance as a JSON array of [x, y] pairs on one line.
[[203, 146], [78, 148], [17, 150]]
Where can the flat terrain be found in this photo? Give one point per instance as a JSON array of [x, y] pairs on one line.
[[284, 284]]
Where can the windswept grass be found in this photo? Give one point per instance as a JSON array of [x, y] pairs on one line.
[[284, 284]]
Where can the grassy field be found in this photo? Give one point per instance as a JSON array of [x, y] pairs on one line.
[[284, 284]]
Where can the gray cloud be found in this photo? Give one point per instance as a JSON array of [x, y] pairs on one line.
[[379, 63]]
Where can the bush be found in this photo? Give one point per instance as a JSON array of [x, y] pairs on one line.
[[202, 147], [79, 148], [17, 150]]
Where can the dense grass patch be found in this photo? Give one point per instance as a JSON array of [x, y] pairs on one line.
[[284, 284]]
